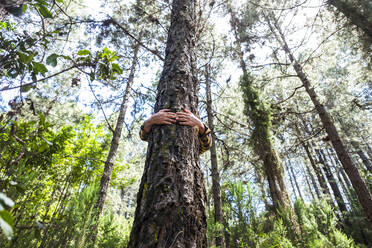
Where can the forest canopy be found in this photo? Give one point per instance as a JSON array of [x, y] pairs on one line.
[[283, 88]]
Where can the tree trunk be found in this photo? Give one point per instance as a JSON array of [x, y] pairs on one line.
[[362, 156], [318, 172], [313, 182], [109, 163], [309, 185], [171, 200], [294, 179], [364, 196], [354, 15], [263, 147], [291, 181], [261, 185], [332, 181], [216, 188]]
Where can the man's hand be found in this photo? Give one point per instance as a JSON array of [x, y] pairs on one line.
[[164, 116], [187, 118]]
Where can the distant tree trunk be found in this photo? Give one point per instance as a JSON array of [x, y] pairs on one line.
[[318, 172], [332, 181], [216, 188], [355, 16], [261, 185], [263, 147], [362, 156], [309, 185], [171, 200], [364, 196], [109, 163], [313, 182], [295, 180], [291, 182]]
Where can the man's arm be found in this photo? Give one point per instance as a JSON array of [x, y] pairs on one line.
[[164, 116], [185, 118]]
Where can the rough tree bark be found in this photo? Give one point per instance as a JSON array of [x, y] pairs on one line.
[[216, 188], [171, 200], [364, 196], [109, 163]]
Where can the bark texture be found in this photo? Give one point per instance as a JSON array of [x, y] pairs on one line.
[[216, 187], [171, 200], [364, 196]]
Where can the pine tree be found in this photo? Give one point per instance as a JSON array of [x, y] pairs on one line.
[[171, 201]]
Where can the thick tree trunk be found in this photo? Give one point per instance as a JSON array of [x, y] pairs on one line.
[[332, 182], [361, 20], [216, 188], [109, 163], [364, 196], [171, 200]]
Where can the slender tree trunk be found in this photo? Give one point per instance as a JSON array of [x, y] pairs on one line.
[[354, 15], [171, 200], [309, 185], [313, 182], [291, 181], [367, 163], [216, 188], [332, 181], [109, 163], [294, 179], [364, 196], [262, 188], [362, 156], [318, 172]]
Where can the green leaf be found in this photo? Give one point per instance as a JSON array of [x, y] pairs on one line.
[[116, 69], [26, 88], [42, 119], [26, 58], [92, 76], [7, 217], [60, 1], [66, 57], [45, 12], [84, 52], [6, 228], [52, 60], [24, 8], [39, 67]]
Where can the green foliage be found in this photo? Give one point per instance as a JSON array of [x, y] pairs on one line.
[[6, 219], [257, 111]]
